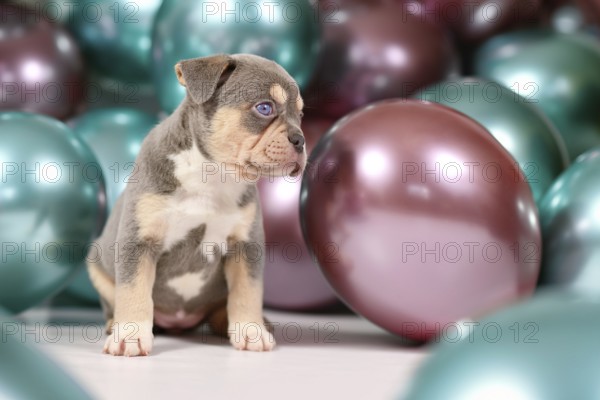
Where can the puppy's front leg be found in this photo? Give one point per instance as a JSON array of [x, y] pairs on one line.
[[134, 310], [246, 330]]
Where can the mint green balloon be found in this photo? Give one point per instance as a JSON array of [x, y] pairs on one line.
[[26, 374], [115, 35], [52, 203], [285, 31], [515, 122], [546, 348], [570, 218], [115, 136], [559, 72]]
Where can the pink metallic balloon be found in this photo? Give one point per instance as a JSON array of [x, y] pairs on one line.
[[373, 50], [474, 21], [418, 217], [590, 10], [41, 69], [292, 279]]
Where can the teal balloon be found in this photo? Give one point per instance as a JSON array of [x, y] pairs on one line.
[[26, 374], [546, 348], [52, 203], [285, 31], [104, 92], [516, 123], [115, 35], [570, 217], [559, 72], [82, 289], [115, 136]]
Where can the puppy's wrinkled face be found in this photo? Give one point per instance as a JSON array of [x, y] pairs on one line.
[[254, 115]]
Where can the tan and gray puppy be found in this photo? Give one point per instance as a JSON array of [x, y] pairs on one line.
[[184, 243]]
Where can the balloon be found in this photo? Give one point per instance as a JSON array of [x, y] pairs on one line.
[[41, 69], [116, 36], [102, 92], [292, 280], [115, 136], [559, 72], [570, 216], [475, 21], [26, 374], [285, 31], [567, 19], [418, 217], [590, 10], [519, 353], [516, 123], [81, 287], [54, 11], [373, 51], [52, 203]]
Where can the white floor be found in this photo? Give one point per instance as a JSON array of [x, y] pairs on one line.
[[318, 356]]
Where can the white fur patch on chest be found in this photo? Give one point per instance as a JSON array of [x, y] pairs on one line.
[[187, 285], [206, 196]]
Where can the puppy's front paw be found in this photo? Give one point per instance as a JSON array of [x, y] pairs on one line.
[[129, 339], [251, 336]]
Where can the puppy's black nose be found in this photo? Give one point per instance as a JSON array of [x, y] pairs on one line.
[[297, 140]]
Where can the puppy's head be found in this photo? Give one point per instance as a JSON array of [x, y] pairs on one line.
[[253, 108]]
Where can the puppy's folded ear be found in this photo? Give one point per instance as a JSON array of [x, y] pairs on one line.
[[202, 76]]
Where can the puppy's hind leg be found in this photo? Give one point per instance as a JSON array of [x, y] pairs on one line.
[[217, 320]]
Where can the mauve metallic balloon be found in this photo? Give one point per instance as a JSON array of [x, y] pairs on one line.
[[292, 280], [374, 50], [545, 348], [41, 69], [570, 215], [590, 10], [475, 20], [419, 217]]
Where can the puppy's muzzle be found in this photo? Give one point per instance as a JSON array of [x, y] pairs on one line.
[[297, 140]]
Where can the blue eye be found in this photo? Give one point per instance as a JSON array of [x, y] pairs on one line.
[[265, 109]]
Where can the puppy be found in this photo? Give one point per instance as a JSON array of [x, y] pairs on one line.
[[184, 243]]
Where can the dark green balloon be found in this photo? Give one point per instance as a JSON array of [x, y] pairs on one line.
[[115, 136], [570, 217], [26, 374], [115, 35], [285, 31], [51, 206], [546, 348], [558, 71], [516, 123]]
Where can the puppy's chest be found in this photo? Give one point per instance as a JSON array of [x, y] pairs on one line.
[[186, 212], [203, 198]]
